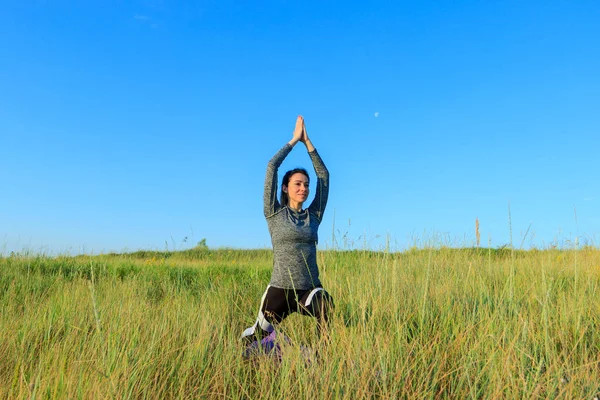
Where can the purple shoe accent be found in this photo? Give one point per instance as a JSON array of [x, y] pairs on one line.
[[269, 339], [267, 346]]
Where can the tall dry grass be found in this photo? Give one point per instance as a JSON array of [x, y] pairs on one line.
[[428, 323]]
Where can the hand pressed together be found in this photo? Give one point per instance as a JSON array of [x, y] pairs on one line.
[[300, 134]]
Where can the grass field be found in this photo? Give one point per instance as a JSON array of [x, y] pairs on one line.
[[427, 323]]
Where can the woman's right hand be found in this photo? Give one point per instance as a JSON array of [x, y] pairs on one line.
[[298, 130]]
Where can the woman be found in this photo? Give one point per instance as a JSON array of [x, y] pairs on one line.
[[295, 284]]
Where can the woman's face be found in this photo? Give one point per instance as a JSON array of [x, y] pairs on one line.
[[297, 188]]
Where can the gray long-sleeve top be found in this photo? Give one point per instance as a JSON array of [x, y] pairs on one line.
[[294, 234]]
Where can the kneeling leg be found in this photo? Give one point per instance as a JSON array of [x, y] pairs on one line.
[[273, 309], [319, 304]]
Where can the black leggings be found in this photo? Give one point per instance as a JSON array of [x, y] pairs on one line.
[[278, 303]]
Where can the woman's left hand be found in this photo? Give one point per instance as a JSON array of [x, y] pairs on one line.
[[304, 139]]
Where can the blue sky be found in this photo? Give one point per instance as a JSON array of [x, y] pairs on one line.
[[132, 125]]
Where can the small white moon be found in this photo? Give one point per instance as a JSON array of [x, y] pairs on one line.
[[377, 114]]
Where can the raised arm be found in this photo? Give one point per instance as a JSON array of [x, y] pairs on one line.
[[271, 205], [318, 204]]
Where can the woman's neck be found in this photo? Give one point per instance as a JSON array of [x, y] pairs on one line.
[[295, 206]]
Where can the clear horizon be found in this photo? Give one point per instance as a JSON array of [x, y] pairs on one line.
[[149, 125]]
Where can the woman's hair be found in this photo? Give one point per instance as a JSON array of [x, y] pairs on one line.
[[286, 180]]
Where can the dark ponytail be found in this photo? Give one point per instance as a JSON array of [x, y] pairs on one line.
[[284, 200]]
